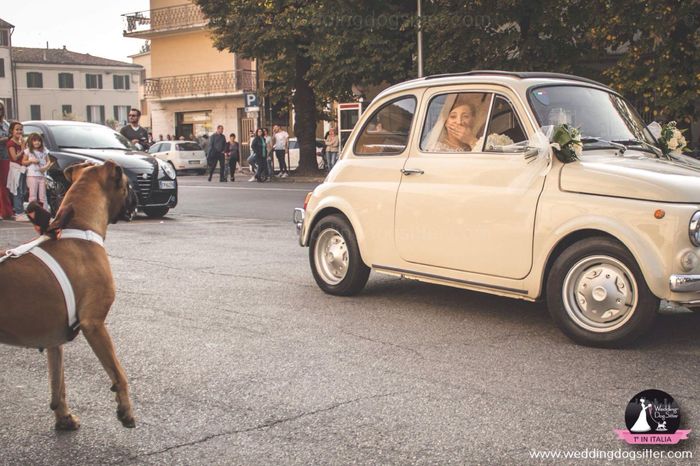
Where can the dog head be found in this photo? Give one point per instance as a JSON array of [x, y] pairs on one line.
[[122, 200]]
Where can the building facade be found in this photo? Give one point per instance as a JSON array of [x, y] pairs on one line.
[[7, 90], [55, 84], [191, 87]]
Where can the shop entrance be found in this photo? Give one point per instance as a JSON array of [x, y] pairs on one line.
[[194, 124]]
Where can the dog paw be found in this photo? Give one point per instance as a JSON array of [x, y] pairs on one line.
[[126, 418], [68, 423]]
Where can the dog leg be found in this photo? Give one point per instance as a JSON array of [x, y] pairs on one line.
[[64, 419], [102, 346]]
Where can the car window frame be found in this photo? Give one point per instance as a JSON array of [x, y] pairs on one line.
[[488, 124], [416, 110], [479, 87], [155, 148]]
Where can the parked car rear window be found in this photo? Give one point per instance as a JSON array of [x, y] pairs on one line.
[[387, 130], [187, 146]]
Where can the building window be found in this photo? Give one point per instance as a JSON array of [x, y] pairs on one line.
[[96, 114], [4, 38], [35, 112], [65, 80], [9, 114], [2, 67], [93, 81], [35, 79], [66, 110], [120, 112], [121, 81]]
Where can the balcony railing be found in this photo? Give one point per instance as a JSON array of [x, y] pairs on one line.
[[163, 19], [200, 85]]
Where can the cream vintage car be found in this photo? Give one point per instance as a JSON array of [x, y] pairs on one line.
[[420, 193]]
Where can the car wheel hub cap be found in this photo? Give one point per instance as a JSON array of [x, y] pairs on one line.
[[600, 293], [331, 257]]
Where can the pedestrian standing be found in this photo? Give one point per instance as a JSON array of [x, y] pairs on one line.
[[252, 158], [233, 150], [260, 149], [17, 179], [281, 146], [134, 132], [217, 146], [270, 154], [38, 164], [5, 202], [332, 145]]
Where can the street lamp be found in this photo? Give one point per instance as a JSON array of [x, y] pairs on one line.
[[420, 42]]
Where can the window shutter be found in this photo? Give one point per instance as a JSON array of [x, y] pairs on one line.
[[127, 78], [99, 81], [116, 113], [87, 114], [102, 114]]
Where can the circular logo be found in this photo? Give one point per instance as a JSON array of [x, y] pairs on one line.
[[651, 412]]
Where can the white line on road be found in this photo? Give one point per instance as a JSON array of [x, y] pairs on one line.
[[244, 189]]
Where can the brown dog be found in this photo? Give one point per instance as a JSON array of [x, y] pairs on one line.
[[33, 308]]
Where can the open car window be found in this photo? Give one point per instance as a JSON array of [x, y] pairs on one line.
[[388, 129], [455, 122]]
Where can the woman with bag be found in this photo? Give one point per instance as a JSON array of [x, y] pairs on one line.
[[233, 153], [17, 178]]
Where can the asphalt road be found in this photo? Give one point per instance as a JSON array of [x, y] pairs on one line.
[[236, 357]]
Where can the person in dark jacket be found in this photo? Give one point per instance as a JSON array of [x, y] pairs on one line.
[[260, 150], [233, 153], [217, 147]]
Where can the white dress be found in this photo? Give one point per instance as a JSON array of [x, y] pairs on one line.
[[642, 425]]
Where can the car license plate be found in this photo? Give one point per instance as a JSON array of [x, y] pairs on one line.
[[195, 162], [167, 185]]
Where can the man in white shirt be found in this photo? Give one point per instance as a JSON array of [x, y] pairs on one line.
[[280, 146]]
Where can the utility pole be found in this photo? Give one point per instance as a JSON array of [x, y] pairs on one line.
[[420, 42]]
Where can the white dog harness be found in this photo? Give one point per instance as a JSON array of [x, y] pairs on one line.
[[58, 272]]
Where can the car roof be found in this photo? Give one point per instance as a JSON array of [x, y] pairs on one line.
[[518, 80], [61, 123]]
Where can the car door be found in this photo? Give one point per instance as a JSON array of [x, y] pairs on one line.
[[469, 205]]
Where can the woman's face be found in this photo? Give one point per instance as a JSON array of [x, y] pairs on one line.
[[17, 131], [259, 132], [36, 143], [461, 115]]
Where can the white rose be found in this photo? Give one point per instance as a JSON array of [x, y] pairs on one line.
[[673, 143], [682, 142], [578, 149]]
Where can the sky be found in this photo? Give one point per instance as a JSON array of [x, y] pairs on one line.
[[85, 26]]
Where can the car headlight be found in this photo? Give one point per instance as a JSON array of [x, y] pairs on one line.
[[167, 169], [694, 229]]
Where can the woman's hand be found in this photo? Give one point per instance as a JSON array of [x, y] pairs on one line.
[[459, 132]]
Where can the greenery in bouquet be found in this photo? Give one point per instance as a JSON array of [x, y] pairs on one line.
[[671, 140], [566, 143]]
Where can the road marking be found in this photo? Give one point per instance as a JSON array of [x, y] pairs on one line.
[[244, 189]]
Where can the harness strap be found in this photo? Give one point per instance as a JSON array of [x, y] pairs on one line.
[[87, 235], [62, 279], [23, 249]]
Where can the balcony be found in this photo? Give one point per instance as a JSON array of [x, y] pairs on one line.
[[194, 86], [162, 21]]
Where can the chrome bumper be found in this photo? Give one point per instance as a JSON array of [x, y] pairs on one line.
[[299, 219], [685, 283]]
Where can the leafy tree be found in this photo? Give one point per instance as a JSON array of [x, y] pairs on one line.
[[659, 62], [316, 50]]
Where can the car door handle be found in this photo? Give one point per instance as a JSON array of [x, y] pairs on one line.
[[412, 171]]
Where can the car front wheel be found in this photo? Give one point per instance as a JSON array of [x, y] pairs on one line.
[[335, 257], [156, 212], [597, 294]]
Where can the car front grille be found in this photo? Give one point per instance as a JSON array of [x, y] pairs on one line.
[[144, 184]]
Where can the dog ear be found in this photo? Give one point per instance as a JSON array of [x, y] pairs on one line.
[[63, 217], [116, 171], [39, 216], [73, 172]]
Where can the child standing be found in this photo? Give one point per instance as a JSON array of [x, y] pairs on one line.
[[37, 159]]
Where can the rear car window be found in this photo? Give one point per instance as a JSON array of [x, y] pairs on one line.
[[387, 130], [188, 146]]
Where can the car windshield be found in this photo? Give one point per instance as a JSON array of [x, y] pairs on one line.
[[89, 137], [187, 146], [597, 113]]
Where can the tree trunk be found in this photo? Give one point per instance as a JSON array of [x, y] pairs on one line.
[[305, 118]]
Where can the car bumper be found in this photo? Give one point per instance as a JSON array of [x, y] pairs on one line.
[[685, 283], [298, 219]]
